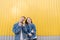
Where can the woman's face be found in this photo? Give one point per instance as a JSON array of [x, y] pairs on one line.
[[29, 20]]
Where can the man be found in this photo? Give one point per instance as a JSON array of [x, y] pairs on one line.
[[19, 29]]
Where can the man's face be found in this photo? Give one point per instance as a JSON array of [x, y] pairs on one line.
[[22, 19]]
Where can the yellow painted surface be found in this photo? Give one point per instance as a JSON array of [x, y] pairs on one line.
[[44, 13]]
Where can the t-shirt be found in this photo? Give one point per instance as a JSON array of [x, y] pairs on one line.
[[21, 36]]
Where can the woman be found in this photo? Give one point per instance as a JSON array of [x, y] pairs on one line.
[[31, 29]]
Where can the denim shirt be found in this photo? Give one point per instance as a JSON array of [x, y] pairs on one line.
[[17, 30]]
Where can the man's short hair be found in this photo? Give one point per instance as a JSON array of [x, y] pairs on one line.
[[23, 16]]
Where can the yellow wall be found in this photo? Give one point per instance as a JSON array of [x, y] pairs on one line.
[[45, 14]]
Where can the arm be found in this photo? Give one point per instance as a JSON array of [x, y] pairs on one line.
[[29, 31], [25, 30], [16, 28], [33, 29]]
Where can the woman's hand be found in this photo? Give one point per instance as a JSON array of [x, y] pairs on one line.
[[30, 34], [24, 25], [32, 31]]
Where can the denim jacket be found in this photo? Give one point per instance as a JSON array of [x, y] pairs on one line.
[[17, 29]]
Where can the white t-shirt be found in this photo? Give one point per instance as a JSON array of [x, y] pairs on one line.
[[21, 36]]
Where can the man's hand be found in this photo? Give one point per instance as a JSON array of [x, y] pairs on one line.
[[20, 24]]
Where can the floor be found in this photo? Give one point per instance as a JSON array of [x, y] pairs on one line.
[[39, 38]]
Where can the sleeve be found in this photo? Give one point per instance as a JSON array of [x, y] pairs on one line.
[[33, 28], [25, 29], [28, 30], [16, 28]]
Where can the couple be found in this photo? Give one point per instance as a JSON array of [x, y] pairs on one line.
[[24, 29]]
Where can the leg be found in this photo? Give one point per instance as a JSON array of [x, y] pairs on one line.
[[30, 39], [35, 39]]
